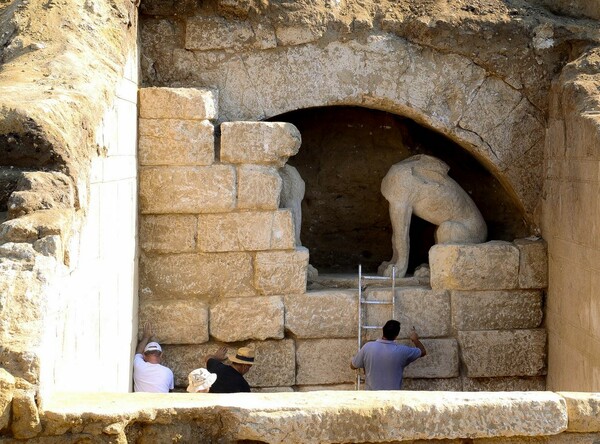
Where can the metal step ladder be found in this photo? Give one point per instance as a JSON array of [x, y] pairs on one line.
[[362, 286]]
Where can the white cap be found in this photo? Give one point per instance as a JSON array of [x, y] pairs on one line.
[[152, 346], [200, 379]]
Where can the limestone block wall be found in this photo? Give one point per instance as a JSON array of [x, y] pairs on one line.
[[90, 326], [219, 265], [570, 224]]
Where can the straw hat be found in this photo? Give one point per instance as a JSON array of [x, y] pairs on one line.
[[200, 379], [244, 355]]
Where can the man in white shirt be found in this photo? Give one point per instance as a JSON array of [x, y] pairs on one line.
[[148, 374]]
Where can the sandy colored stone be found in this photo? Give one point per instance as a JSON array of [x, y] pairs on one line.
[[441, 361], [187, 189], [238, 319], [209, 33], [175, 142], [533, 263], [420, 186], [7, 388], [272, 389], [425, 309], [39, 190], [182, 359], [178, 103], [247, 231], [504, 384], [274, 364], [433, 384], [320, 417], [281, 272], [324, 361], [168, 233], [496, 310], [265, 143], [25, 417], [37, 225], [181, 276], [296, 35], [583, 410], [175, 322], [330, 387], [259, 187], [497, 353], [322, 314], [490, 266]]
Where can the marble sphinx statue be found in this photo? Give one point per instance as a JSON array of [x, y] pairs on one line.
[[420, 185], [292, 194]]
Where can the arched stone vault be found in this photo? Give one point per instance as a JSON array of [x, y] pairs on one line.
[[446, 92]]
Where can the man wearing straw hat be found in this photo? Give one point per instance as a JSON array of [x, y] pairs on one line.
[[230, 378]]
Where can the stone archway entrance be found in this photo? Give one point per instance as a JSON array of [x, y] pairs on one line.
[[345, 153]]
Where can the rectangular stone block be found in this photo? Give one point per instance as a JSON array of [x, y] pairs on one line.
[[583, 410], [274, 365], [182, 359], [271, 389], [496, 310], [533, 263], [281, 272], [168, 233], [441, 360], [263, 143], [324, 361], [503, 352], [175, 322], [247, 231], [176, 142], [490, 266], [432, 384], [178, 103], [209, 33], [332, 387], [181, 276], [239, 319], [425, 309], [506, 384], [259, 187], [209, 189], [322, 314]]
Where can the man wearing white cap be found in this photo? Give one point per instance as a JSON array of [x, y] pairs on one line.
[[148, 374], [230, 378]]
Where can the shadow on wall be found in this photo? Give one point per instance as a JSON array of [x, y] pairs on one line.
[[345, 153]]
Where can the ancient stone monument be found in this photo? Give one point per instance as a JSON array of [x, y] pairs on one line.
[[420, 185], [141, 144]]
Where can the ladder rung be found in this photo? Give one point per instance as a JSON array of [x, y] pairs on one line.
[[371, 327], [364, 301], [376, 278]]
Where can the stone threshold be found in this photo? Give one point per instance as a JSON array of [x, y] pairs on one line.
[[350, 281], [325, 416]]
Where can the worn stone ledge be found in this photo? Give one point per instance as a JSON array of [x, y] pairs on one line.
[[318, 417], [583, 410], [178, 103]]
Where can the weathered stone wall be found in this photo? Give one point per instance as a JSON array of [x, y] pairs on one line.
[[280, 57], [570, 215], [68, 207], [326, 417], [219, 265]]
